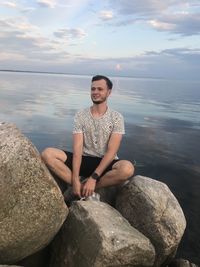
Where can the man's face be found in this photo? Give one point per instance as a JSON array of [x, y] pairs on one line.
[[99, 91]]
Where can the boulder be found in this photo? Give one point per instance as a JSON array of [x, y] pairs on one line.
[[151, 208], [32, 207], [95, 234]]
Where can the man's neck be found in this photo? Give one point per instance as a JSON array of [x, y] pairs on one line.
[[99, 110]]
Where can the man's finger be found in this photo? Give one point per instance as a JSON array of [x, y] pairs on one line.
[[83, 191]]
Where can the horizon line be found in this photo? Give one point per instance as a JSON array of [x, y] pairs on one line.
[[68, 73]]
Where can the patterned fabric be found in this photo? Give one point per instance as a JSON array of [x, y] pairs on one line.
[[97, 131]]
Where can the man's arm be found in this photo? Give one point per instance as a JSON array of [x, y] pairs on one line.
[[113, 147], [76, 162]]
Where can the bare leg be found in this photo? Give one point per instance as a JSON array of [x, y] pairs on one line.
[[121, 171], [54, 159]]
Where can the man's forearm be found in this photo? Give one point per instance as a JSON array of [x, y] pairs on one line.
[[75, 174], [77, 155], [76, 166], [113, 147], [106, 160]]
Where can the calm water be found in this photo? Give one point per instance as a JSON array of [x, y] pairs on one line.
[[162, 128]]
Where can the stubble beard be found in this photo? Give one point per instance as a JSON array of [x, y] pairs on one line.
[[97, 102]]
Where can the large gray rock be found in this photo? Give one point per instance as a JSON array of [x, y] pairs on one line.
[[32, 208], [95, 234], [151, 208]]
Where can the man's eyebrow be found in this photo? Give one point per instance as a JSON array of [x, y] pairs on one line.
[[98, 87]]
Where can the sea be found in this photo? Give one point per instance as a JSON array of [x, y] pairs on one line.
[[162, 123]]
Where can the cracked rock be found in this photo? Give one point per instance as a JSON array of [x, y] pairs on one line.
[[95, 234]]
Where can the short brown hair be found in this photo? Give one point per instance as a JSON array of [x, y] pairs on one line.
[[101, 77]]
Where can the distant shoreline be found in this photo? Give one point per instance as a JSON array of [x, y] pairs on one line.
[[63, 73], [43, 72]]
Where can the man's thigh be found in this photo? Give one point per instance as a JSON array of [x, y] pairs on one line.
[[88, 164]]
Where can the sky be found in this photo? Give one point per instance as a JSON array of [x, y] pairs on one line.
[[139, 38]]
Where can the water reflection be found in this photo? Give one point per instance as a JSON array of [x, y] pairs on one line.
[[162, 128]]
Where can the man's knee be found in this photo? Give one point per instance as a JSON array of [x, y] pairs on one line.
[[127, 169], [46, 155]]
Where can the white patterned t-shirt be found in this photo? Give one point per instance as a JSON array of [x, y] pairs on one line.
[[97, 131]]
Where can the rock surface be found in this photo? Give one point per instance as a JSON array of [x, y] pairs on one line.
[[32, 208], [96, 235], [151, 208]]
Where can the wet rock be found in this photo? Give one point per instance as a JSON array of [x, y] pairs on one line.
[[151, 208], [96, 235], [32, 208]]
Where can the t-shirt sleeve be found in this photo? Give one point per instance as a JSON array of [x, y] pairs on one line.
[[78, 123], [118, 124]]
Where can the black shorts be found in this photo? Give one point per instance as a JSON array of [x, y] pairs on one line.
[[88, 164]]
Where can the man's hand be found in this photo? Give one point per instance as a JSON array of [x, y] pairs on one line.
[[88, 187], [76, 187]]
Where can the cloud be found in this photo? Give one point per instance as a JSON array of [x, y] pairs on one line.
[[17, 24], [27, 9], [8, 56], [16, 31], [176, 63], [183, 24], [18, 7], [70, 33], [22, 40], [181, 63], [9, 4], [47, 3], [139, 7], [106, 15], [163, 26], [27, 46], [185, 55], [174, 16], [149, 7]]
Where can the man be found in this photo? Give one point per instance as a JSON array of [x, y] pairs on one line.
[[97, 136]]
